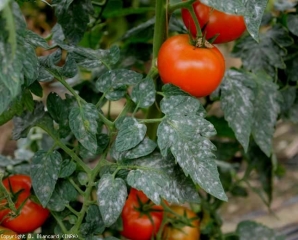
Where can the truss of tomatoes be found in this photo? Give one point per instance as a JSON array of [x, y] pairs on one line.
[[31, 216], [197, 67], [225, 27]]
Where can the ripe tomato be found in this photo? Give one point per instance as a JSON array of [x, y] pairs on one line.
[[195, 70], [141, 218], [186, 232], [6, 233], [228, 26], [32, 214]]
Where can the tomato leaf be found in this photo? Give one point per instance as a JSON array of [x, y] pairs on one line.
[[266, 110], [247, 230], [115, 80], [185, 134], [102, 143], [251, 10], [160, 177], [73, 16], [292, 21], [268, 54], [130, 134], [44, 171], [111, 196], [144, 148], [143, 94], [64, 193], [67, 168], [83, 123], [237, 98]]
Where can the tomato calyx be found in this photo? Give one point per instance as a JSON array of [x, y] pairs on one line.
[[145, 208]]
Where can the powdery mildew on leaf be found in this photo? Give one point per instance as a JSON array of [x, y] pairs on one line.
[[186, 134], [237, 104], [143, 94], [248, 230], [266, 110], [44, 172], [83, 123], [161, 177], [111, 196], [130, 134]]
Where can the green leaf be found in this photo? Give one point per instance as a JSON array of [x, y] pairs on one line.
[[102, 142], [46, 123], [185, 134], [293, 112], [28, 101], [292, 21], [268, 54], [36, 89], [44, 174], [63, 194], [130, 134], [115, 79], [3, 4], [221, 126], [172, 90], [288, 99], [35, 40], [237, 104], [5, 161], [247, 230], [251, 10], [160, 177], [144, 148], [83, 123], [67, 168], [94, 223], [111, 196], [27, 120], [283, 5], [73, 16], [266, 110], [15, 108], [143, 94]]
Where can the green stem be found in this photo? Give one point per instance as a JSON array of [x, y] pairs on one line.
[[72, 210], [154, 120], [196, 21], [76, 186], [59, 221], [179, 5]]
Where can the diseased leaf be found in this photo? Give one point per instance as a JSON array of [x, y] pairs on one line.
[[237, 103], [102, 143], [185, 134], [111, 196], [83, 123], [283, 5], [44, 171], [292, 23], [143, 94], [130, 134], [94, 223], [67, 168]]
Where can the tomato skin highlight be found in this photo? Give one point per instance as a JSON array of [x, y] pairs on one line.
[[186, 232], [195, 70], [32, 215], [229, 27], [136, 225]]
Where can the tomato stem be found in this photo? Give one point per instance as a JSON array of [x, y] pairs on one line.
[[196, 21], [179, 5]]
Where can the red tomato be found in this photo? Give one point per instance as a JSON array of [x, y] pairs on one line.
[[195, 70], [228, 26], [186, 232], [32, 214], [135, 217], [6, 233]]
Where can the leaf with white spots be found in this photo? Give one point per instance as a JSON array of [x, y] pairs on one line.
[[144, 148], [143, 94], [268, 54], [186, 134], [252, 11], [111, 196], [35, 40], [248, 230], [44, 172], [63, 194], [292, 23], [67, 168], [283, 5], [83, 123], [160, 177], [237, 103], [172, 90], [266, 110], [130, 134], [117, 79]]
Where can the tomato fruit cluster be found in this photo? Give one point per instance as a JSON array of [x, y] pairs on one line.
[[228, 27], [196, 70], [32, 215], [141, 218]]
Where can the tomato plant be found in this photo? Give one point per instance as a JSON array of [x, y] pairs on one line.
[[32, 215], [141, 218], [225, 27], [176, 231], [6, 233], [196, 70]]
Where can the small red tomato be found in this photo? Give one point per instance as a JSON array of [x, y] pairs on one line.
[[228, 27], [32, 214], [196, 70]]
